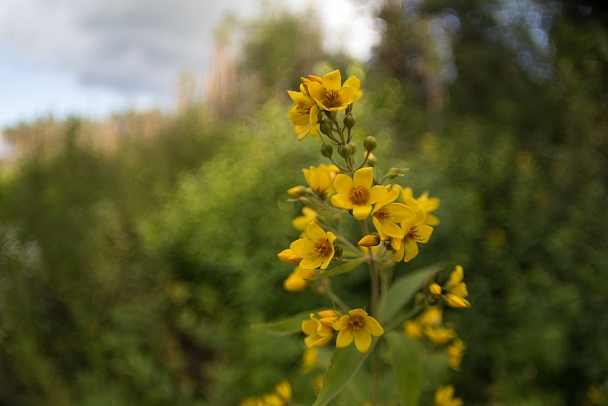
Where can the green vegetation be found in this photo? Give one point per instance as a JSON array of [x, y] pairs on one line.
[[131, 274]]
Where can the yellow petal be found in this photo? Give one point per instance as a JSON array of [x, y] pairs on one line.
[[332, 80], [353, 82], [373, 326], [423, 233], [411, 249], [315, 233], [345, 337], [303, 247], [341, 323], [363, 340], [342, 202], [362, 177], [343, 184], [376, 193], [360, 211]]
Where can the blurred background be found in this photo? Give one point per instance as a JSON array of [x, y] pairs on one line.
[[146, 152]]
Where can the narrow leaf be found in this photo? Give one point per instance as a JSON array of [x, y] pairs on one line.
[[285, 327], [342, 368], [407, 367], [402, 290], [347, 267]]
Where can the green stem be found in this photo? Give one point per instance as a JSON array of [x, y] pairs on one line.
[[374, 279]]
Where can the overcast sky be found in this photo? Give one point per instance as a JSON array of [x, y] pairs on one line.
[[92, 57]]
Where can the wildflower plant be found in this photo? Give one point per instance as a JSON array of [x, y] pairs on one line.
[[390, 340]]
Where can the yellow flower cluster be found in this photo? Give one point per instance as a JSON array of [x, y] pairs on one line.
[[429, 323], [316, 93]]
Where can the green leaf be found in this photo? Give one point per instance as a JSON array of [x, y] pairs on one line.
[[407, 367], [347, 267], [403, 289], [342, 368], [284, 327]]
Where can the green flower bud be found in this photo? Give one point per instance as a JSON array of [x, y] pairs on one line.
[[345, 150], [349, 121], [338, 250], [370, 143], [353, 146], [326, 128], [327, 150], [394, 172]]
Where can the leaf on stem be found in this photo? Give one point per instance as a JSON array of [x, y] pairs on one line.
[[347, 267], [342, 368], [285, 327], [402, 290], [407, 367]]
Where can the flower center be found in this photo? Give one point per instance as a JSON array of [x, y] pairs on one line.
[[413, 234], [359, 195], [382, 214], [332, 98], [356, 322], [321, 247]]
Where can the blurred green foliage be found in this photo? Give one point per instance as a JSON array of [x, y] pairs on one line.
[[132, 276]]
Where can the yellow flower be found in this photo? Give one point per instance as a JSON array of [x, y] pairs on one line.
[[316, 247], [454, 353], [444, 396], [283, 389], [296, 281], [432, 316], [309, 359], [321, 179], [426, 203], [281, 397], [359, 326], [331, 95], [387, 214], [435, 289], [413, 329], [319, 331], [289, 257], [304, 115], [370, 240], [439, 335], [456, 289], [415, 231], [357, 194], [302, 222]]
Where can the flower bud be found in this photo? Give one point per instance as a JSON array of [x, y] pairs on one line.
[[394, 172], [370, 240], [369, 143], [349, 121], [326, 128], [435, 289], [296, 191], [327, 150], [353, 146], [456, 302], [289, 257], [338, 250], [345, 150], [371, 159]]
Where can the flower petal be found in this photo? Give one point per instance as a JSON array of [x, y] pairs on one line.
[[360, 211], [376, 193], [345, 337], [342, 202], [411, 250], [303, 247], [315, 233], [363, 177], [373, 326], [332, 80], [363, 340], [343, 184]]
